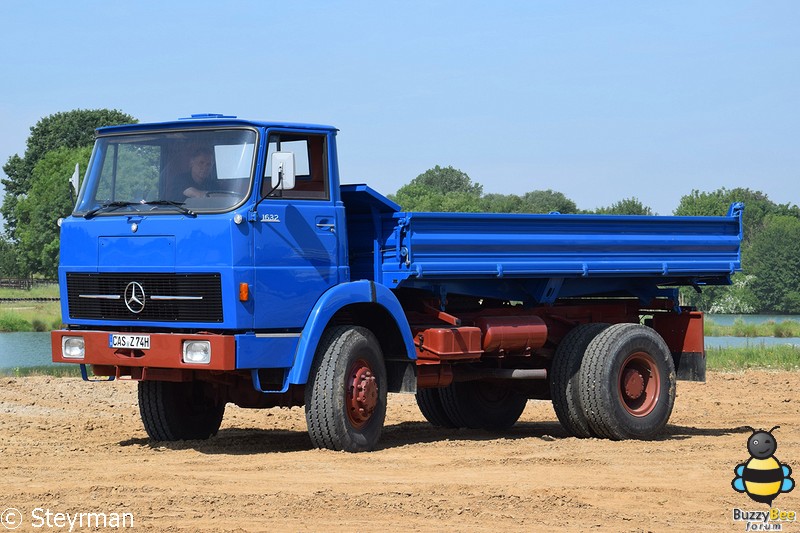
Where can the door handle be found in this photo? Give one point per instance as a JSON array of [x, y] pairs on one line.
[[331, 227]]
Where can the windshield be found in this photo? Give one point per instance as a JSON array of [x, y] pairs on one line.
[[185, 172]]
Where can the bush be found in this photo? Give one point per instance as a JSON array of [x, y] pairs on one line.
[[712, 329], [741, 329], [11, 322], [785, 329]]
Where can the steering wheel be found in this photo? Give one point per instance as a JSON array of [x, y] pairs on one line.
[[210, 194]]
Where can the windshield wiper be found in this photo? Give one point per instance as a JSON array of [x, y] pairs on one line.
[[177, 205], [110, 206]]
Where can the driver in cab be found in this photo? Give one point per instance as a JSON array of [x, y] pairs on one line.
[[198, 180]]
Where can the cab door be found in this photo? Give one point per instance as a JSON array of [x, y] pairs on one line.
[[296, 235]]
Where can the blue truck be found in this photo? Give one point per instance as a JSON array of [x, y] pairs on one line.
[[217, 260]]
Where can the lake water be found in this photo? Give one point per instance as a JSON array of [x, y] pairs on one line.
[[728, 320], [33, 349], [738, 342], [24, 349]]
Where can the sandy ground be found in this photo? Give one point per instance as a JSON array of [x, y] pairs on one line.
[[74, 447]]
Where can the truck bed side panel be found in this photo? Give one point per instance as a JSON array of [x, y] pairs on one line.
[[455, 245]]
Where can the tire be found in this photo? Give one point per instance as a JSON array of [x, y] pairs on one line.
[[173, 411], [627, 383], [565, 379], [345, 395], [482, 405], [430, 405]]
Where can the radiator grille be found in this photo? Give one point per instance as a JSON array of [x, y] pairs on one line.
[[179, 297]]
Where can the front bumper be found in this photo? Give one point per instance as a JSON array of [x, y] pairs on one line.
[[166, 351]]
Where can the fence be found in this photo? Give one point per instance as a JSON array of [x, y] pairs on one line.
[[25, 283]]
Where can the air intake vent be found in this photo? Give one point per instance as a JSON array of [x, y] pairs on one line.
[[145, 297]]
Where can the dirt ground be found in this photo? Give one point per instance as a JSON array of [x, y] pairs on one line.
[[74, 447]]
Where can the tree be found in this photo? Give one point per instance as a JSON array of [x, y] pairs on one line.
[[48, 199], [440, 189], [774, 260], [737, 298], [531, 202], [770, 280], [716, 203], [450, 189], [502, 203], [447, 180], [547, 201], [70, 129], [627, 206], [8, 264]]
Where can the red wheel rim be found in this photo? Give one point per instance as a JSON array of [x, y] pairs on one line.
[[362, 393], [639, 384]]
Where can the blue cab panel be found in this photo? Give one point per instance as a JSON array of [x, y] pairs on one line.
[[164, 246]]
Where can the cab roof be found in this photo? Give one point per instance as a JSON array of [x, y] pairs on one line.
[[209, 119]]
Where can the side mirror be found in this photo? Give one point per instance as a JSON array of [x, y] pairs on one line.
[[283, 170], [75, 182]]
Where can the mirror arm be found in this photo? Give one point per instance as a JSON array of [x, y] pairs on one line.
[[277, 185]]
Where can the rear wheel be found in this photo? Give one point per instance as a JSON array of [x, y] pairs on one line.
[[564, 379], [174, 411], [430, 405], [482, 405], [628, 382], [346, 392]]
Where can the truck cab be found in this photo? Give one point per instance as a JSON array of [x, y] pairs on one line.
[[228, 235]]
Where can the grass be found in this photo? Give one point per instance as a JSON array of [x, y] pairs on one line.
[[30, 316], [58, 371], [780, 357], [739, 328], [20, 316]]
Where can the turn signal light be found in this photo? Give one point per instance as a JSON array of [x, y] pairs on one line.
[[244, 292]]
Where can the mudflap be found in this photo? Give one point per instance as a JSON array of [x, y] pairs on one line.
[[690, 366]]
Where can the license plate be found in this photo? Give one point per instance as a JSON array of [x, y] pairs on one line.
[[134, 342]]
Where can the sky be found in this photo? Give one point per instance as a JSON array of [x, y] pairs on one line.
[[598, 100]]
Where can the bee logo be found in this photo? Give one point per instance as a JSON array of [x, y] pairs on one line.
[[762, 477]]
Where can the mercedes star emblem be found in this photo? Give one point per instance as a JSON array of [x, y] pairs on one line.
[[134, 297]]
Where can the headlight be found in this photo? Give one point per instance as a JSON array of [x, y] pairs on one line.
[[197, 352], [72, 347]]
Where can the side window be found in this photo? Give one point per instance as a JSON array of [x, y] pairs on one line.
[[311, 166]]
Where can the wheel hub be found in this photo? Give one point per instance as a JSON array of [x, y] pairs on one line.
[[639, 384], [633, 384], [362, 394]]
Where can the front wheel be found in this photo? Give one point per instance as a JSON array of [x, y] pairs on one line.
[[346, 391], [174, 411], [482, 405], [430, 405], [627, 383]]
